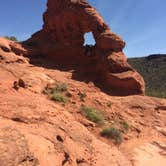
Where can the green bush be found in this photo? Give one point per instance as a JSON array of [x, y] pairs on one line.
[[59, 97], [93, 114], [113, 133], [61, 87], [13, 38], [82, 96], [125, 126], [57, 93]]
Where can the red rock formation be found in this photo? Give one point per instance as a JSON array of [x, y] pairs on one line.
[[37, 131], [62, 39]]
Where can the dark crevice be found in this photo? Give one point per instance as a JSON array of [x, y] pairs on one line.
[[30, 159], [59, 138], [160, 108], [17, 119], [5, 49], [1, 57], [66, 158], [80, 161]]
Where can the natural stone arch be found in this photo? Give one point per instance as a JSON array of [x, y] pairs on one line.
[[62, 39]]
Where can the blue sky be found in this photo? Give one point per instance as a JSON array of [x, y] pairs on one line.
[[142, 24]]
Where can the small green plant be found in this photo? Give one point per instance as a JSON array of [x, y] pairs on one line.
[[59, 98], [61, 87], [125, 126], [113, 133], [13, 38], [109, 104], [82, 95], [57, 93], [93, 114]]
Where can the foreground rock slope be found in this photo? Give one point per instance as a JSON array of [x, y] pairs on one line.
[[35, 130]]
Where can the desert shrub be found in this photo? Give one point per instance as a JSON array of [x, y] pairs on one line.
[[59, 97], [13, 38], [82, 95], [93, 114], [156, 92], [113, 133], [61, 87], [57, 93], [125, 126]]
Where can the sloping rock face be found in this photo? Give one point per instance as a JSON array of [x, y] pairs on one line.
[[62, 39], [35, 130]]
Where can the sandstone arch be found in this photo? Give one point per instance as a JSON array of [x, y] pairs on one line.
[[62, 39]]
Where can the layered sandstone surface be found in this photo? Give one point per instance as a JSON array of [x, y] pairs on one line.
[[37, 131]]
